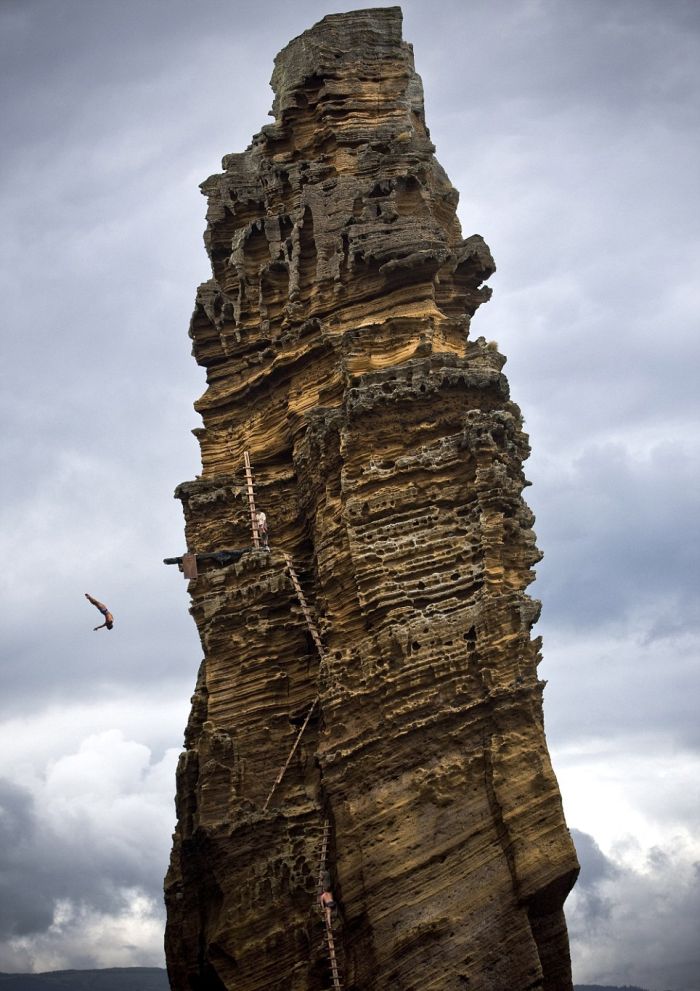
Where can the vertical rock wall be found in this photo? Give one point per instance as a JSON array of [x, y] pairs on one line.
[[388, 458]]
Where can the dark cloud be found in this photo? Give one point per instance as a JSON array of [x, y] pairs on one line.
[[37, 875], [22, 909], [636, 925], [592, 907], [594, 864], [92, 835], [26, 906]]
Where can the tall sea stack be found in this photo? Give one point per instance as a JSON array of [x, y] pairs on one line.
[[368, 716]]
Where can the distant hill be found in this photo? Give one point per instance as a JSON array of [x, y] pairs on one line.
[[110, 979], [140, 979]]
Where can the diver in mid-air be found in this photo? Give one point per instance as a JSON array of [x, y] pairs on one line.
[[109, 618]]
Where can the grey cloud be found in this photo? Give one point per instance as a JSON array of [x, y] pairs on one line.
[[89, 530], [16, 813], [620, 535], [616, 690], [636, 926], [623, 57], [154, 643], [566, 128], [23, 909], [594, 864], [592, 907], [52, 853]]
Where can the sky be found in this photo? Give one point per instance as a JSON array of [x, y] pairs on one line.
[[570, 129]]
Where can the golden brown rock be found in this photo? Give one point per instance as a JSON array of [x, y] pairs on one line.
[[388, 459]]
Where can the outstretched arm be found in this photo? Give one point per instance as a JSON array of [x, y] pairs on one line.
[[100, 626]]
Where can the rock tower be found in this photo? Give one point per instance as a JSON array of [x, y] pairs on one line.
[[396, 684]]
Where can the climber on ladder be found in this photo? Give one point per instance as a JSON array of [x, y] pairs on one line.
[[261, 519], [326, 899], [109, 618]]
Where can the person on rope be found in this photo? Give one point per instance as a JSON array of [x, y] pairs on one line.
[[109, 618], [261, 520]]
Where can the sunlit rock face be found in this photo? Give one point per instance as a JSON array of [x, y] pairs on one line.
[[388, 459]]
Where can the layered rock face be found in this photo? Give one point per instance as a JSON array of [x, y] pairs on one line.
[[388, 459]]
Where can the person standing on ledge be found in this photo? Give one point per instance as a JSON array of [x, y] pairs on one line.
[[261, 520], [109, 618]]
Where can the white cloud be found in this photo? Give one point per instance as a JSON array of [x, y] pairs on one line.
[[631, 802], [89, 835], [32, 744], [82, 937], [633, 794]]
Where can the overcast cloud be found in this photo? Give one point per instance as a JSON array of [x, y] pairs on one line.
[[570, 129]]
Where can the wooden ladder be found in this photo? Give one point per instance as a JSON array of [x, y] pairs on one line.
[[322, 858], [278, 779], [317, 641], [251, 499], [304, 607], [335, 974], [319, 647]]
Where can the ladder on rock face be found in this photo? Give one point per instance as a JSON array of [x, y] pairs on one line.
[[335, 974], [322, 858], [319, 647], [304, 608], [251, 499], [278, 780]]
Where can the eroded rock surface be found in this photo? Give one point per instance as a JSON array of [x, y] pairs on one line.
[[388, 458]]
